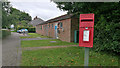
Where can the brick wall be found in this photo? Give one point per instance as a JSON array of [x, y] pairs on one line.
[[41, 29], [66, 33], [74, 26], [51, 29], [37, 29], [45, 29]]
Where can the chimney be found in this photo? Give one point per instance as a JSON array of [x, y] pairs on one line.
[[35, 17]]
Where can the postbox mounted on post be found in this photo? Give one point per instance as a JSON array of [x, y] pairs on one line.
[[86, 29]]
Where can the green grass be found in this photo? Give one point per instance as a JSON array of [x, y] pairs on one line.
[[37, 35], [13, 31], [38, 43], [34, 35], [70, 56]]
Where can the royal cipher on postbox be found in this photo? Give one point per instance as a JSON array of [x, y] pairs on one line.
[[86, 30]]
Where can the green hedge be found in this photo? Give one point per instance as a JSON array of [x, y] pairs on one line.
[[5, 33], [107, 36], [30, 29]]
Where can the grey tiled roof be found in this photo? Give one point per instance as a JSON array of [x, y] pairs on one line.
[[66, 16], [36, 21]]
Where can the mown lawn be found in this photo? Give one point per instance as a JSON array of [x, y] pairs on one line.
[[38, 43], [69, 56], [34, 35], [37, 35]]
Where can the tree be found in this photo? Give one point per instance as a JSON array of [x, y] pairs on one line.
[[13, 16], [19, 18], [5, 14]]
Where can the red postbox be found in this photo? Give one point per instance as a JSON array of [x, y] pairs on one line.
[[86, 29]]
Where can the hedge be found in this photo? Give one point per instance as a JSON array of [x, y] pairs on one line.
[[5, 33], [30, 29], [107, 36]]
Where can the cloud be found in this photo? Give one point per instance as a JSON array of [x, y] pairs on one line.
[[45, 9]]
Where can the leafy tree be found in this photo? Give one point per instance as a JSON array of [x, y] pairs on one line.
[[14, 16], [5, 14], [20, 18]]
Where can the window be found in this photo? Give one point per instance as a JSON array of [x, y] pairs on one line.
[[49, 25], [61, 25], [41, 27], [52, 25]]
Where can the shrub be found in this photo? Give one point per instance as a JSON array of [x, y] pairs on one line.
[[5, 33], [33, 30], [107, 36]]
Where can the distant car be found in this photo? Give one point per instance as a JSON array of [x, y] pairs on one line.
[[22, 30], [19, 31]]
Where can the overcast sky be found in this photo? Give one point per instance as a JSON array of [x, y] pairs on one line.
[[44, 9]]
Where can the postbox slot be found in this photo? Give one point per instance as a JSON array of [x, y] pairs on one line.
[[87, 20]]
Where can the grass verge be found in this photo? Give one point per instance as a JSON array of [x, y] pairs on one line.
[[34, 35], [38, 43], [37, 35], [69, 56]]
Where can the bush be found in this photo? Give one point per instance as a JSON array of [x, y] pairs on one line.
[[33, 30], [107, 36], [30, 29], [5, 33]]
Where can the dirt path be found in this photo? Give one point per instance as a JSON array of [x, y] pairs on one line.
[[47, 47]]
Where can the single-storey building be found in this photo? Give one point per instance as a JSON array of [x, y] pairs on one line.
[[61, 27]]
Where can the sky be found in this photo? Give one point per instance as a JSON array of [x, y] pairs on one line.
[[44, 9]]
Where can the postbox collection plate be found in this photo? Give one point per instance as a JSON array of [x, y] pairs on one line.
[[86, 35]]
